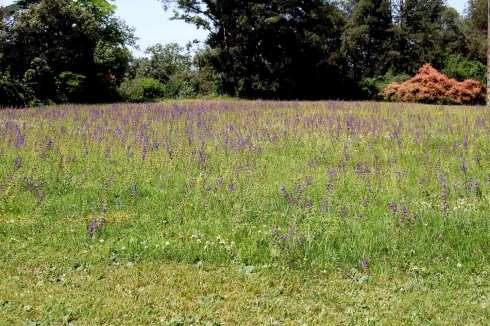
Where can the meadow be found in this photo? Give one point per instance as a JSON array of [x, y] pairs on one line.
[[245, 212]]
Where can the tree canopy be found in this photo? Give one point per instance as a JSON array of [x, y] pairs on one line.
[[79, 50]]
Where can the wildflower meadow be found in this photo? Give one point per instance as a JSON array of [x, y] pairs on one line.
[[245, 212]]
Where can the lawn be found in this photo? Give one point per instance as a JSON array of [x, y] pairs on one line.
[[241, 212]]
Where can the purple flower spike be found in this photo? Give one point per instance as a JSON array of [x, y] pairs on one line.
[[365, 264], [91, 228], [17, 163], [393, 207]]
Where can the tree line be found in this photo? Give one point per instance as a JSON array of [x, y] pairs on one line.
[[66, 51]]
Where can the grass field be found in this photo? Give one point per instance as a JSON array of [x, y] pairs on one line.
[[252, 213]]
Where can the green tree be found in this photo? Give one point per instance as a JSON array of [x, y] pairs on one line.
[[451, 32], [172, 66], [475, 28], [166, 61], [63, 44], [53, 37], [417, 33], [270, 48], [367, 38]]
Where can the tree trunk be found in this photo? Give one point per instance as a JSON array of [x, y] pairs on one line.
[[488, 57]]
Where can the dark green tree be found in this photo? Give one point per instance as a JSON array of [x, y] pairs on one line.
[[417, 33], [71, 50], [53, 37], [475, 28], [451, 34], [367, 38], [286, 49]]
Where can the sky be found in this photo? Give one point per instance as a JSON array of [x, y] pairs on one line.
[[153, 25]]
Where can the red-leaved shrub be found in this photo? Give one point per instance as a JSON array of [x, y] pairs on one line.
[[431, 86]]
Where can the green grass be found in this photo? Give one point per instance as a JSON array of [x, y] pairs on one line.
[[185, 197], [83, 289]]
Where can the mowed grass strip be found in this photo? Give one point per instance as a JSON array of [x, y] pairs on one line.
[[170, 293]]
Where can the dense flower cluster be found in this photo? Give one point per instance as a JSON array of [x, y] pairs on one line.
[[431, 86]]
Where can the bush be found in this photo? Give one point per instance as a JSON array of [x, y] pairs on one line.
[[462, 69], [431, 86], [177, 87], [69, 86], [14, 93], [372, 88], [141, 90]]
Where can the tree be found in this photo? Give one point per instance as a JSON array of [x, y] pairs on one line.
[[166, 61], [270, 48], [71, 50], [417, 26], [451, 32], [367, 38], [53, 37], [475, 28]]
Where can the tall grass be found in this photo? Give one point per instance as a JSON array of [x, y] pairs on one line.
[[361, 188]]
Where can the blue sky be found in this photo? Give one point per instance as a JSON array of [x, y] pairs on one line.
[[153, 25]]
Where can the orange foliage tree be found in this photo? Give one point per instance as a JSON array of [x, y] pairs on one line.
[[431, 86]]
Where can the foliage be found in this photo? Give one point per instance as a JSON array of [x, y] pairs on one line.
[[475, 30], [69, 86], [461, 69], [417, 30], [54, 37], [141, 90], [367, 36], [14, 93], [431, 86], [296, 49], [271, 48], [47, 52], [167, 61], [373, 88], [173, 66]]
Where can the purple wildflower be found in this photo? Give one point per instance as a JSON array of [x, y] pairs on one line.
[[332, 173], [365, 264], [17, 163], [324, 206], [393, 207], [49, 143], [283, 191], [404, 213], [134, 190], [366, 201], [301, 239], [93, 227]]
